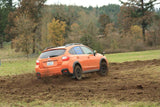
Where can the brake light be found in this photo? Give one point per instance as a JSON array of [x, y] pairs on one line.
[[65, 58], [37, 62]]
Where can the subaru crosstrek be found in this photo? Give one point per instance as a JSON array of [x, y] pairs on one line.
[[73, 59]]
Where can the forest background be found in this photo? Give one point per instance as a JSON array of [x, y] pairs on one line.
[[30, 26]]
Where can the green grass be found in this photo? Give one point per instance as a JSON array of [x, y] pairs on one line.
[[15, 67], [14, 63], [133, 56], [11, 65], [7, 52]]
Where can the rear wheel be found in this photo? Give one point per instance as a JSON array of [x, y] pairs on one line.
[[78, 72], [103, 69]]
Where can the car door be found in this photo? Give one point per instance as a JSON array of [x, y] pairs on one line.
[[92, 60], [81, 57]]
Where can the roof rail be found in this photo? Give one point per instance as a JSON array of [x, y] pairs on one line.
[[70, 44], [73, 44]]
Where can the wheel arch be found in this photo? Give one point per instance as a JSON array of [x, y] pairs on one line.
[[102, 59], [76, 63]]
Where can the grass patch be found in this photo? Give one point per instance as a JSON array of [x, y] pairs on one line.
[[133, 56], [16, 67], [7, 52], [13, 63]]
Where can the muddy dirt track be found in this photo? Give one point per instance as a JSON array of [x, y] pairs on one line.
[[129, 81]]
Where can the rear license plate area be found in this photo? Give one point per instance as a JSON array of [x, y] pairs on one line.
[[50, 63]]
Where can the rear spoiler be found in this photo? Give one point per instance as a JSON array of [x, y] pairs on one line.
[[48, 48], [53, 48]]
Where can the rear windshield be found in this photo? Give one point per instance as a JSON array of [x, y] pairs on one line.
[[52, 53]]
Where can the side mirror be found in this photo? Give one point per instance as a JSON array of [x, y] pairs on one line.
[[103, 53], [94, 52]]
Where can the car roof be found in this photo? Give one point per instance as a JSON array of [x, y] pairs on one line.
[[67, 46]]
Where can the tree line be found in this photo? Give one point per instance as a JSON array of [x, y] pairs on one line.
[[30, 25]]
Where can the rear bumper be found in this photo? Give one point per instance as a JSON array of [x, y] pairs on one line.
[[48, 72]]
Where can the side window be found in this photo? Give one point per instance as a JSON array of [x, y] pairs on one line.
[[87, 50], [78, 50], [71, 51]]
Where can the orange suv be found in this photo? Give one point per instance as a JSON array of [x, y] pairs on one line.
[[73, 59]]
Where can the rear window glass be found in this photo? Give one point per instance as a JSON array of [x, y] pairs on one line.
[[52, 53]]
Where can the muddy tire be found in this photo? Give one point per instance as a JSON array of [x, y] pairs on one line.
[[103, 69], [78, 72]]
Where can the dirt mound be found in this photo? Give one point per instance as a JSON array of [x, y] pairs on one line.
[[126, 81]]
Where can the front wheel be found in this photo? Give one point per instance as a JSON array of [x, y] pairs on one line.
[[78, 72], [103, 69]]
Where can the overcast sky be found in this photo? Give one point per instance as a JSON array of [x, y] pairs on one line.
[[85, 3]]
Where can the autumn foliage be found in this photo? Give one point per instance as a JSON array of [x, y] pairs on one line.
[[23, 41], [33, 26], [56, 31]]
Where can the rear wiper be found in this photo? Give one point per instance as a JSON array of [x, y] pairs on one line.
[[53, 56]]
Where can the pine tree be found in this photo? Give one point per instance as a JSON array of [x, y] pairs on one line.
[[142, 12], [5, 8]]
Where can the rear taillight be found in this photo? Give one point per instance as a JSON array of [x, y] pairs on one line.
[[37, 62], [65, 58]]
